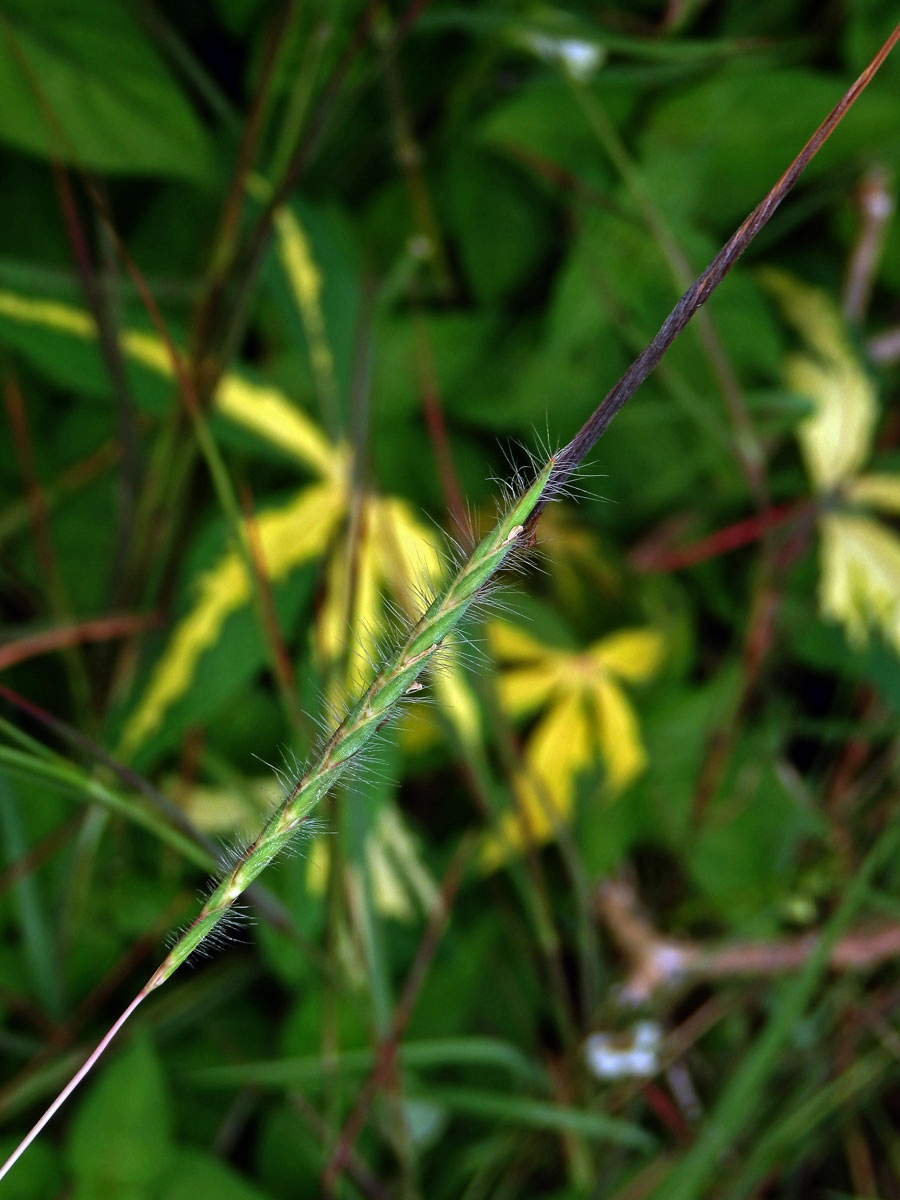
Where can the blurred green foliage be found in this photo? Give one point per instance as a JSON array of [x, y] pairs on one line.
[[397, 250]]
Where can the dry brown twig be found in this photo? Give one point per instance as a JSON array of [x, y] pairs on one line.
[[658, 964]]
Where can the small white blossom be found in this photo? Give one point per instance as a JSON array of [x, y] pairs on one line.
[[632, 1055], [578, 58]]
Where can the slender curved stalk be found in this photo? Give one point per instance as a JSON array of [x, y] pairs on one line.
[[86, 1067]]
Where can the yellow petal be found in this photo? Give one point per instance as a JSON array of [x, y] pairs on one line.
[[456, 698], [618, 734], [288, 536], [632, 654], [836, 438], [860, 579], [524, 689], [561, 746], [876, 491], [398, 873], [511, 643]]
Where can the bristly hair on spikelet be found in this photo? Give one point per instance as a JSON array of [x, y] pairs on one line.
[[342, 751]]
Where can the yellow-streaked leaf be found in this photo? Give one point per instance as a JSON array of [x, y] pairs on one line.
[[226, 810], [296, 256], [144, 348], [876, 491], [268, 413], [419, 724], [632, 654], [409, 556], [402, 886], [860, 578], [51, 314], [417, 729], [148, 350], [561, 746], [288, 536], [264, 410], [392, 552], [812, 313], [305, 281], [389, 893], [317, 865], [618, 734]]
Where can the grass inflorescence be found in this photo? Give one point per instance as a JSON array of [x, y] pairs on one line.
[[397, 678]]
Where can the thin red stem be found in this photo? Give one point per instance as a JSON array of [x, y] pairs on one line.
[[70, 1087], [732, 537]]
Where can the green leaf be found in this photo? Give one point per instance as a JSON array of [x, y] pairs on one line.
[[543, 125], [80, 82], [193, 1175], [747, 841], [119, 1143], [501, 220], [38, 1173], [540, 1114], [704, 154]]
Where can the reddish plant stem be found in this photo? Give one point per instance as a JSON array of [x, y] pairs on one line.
[[657, 963], [876, 207], [732, 537], [102, 629], [225, 241], [73, 1083], [34, 492], [437, 426]]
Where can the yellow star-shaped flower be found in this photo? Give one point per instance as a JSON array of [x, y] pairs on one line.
[[586, 717]]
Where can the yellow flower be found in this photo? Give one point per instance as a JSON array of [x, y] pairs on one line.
[[859, 583], [586, 717]]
